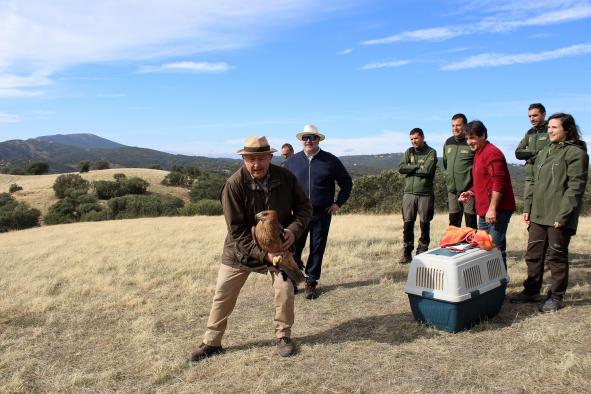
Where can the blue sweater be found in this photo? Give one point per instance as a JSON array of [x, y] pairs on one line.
[[317, 177]]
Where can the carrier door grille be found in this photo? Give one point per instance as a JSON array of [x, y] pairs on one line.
[[472, 277], [429, 278], [494, 269]]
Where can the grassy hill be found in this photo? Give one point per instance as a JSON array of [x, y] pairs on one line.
[[117, 306], [38, 189]]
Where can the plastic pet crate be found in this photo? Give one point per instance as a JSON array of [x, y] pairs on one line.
[[454, 290]]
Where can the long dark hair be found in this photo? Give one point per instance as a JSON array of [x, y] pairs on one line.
[[568, 124]]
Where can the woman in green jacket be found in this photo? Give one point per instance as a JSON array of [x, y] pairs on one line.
[[551, 210]]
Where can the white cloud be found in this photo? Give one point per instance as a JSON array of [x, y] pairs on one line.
[[9, 118], [373, 66], [12, 85], [110, 95], [194, 67], [54, 35], [497, 59], [434, 34], [345, 51], [505, 18]]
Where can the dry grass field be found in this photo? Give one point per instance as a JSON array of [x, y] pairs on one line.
[[118, 306], [38, 193]]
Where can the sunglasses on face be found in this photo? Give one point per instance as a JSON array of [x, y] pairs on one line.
[[309, 138]]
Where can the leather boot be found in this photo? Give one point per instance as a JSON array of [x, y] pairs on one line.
[[425, 239]]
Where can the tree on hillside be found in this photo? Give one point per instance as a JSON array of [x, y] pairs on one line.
[[17, 171], [15, 215], [65, 184], [84, 166], [101, 165], [37, 168]]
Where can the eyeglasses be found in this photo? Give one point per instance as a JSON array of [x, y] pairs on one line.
[[309, 138]]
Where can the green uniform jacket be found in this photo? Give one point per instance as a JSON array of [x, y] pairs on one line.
[[457, 162], [419, 168], [534, 141], [558, 184]]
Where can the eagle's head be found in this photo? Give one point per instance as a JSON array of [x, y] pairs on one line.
[[264, 216]]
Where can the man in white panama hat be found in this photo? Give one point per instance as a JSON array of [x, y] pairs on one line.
[[257, 186], [317, 171]]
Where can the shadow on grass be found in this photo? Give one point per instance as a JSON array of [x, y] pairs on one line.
[[396, 276], [391, 329]]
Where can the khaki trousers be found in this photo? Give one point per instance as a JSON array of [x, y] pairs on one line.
[[229, 283]]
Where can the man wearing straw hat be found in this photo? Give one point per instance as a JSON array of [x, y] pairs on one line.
[[317, 171], [257, 186]]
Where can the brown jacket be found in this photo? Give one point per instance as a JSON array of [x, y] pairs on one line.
[[242, 198]]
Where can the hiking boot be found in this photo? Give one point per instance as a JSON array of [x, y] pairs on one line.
[[524, 298], [285, 347], [405, 259], [205, 351], [551, 305], [422, 248], [310, 291]]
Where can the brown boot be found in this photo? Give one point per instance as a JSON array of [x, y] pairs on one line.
[[310, 291], [205, 351], [285, 347], [406, 256]]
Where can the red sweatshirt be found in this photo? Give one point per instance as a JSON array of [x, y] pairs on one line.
[[490, 173]]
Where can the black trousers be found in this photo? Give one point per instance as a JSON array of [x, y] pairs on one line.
[[556, 241], [318, 230]]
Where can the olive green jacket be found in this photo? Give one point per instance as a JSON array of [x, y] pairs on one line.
[[457, 163], [530, 145], [559, 182], [419, 168]]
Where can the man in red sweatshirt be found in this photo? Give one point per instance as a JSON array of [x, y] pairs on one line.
[[495, 202]]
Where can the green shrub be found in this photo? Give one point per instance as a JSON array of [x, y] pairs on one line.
[[37, 168], [119, 176], [65, 184], [72, 207], [383, 193], [176, 178], [105, 190], [13, 188], [96, 216], [207, 188], [17, 171], [134, 206], [134, 185], [16, 215], [101, 165], [155, 167], [84, 166], [202, 207], [63, 211]]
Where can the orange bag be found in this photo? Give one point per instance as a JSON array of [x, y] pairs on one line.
[[477, 238]]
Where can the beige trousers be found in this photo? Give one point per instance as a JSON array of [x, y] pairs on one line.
[[229, 283]]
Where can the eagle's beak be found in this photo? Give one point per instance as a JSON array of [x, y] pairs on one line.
[[258, 216]]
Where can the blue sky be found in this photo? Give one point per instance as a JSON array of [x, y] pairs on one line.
[[196, 77]]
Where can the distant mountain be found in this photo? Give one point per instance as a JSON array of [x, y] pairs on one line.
[[65, 158], [84, 141]]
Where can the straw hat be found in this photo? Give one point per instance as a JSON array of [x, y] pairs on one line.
[[310, 129], [256, 146]]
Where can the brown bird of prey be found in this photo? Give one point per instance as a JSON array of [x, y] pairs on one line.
[[268, 234]]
